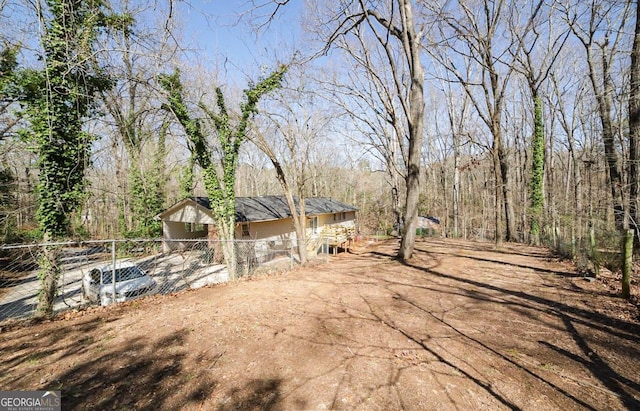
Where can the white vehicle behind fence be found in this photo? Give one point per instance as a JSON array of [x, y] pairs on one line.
[[130, 282], [86, 275]]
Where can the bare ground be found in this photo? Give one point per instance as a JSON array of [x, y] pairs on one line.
[[462, 326]]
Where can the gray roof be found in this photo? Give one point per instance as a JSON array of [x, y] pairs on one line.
[[275, 207]]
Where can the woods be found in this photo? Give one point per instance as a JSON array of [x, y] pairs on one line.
[[506, 120]]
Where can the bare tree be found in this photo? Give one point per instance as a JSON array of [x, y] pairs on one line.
[[477, 36], [567, 89], [368, 96], [539, 46], [600, 27], [255, 174], [457, 116], [289, 141], [634, 129], [139, 127], [392, 27]]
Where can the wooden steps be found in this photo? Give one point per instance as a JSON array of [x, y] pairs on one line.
[[339, 236]]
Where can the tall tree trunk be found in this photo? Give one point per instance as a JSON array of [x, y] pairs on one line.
[[603, 98], [506, 193], [537, 169], [568, 127], [577, 189], [456, 186], [612, 158], [499, 193], [602, 28], [395, 205], [412, 45], [56, 101], [413, 180], [49, 262], [298, 213], [501, 171], [392, 169], [634, 130]]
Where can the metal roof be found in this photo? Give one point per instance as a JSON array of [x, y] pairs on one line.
[[267, 208]]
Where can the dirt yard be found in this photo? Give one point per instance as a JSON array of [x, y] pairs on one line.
[[462, 327]]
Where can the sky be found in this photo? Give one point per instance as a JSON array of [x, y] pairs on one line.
[[219, 34], [215, 27]]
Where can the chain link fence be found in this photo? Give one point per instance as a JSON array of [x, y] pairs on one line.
[[594, 249], [107, 272]]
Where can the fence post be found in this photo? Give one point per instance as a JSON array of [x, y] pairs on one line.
[[573, 242], [291, 254], [326, 243], [594, 252], [113, 272], [627, 268]]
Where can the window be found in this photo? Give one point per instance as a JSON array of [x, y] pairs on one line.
[[245, 230], [193, 227], [122, 274], [313, 224]]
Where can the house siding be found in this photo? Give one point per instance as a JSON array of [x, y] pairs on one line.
[[189, 213], [281, 229], [348, 220]]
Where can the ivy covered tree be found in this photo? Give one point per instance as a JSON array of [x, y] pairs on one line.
[[56, 100], [147, 191], [186, 179], [7, 204], [141, 174], [219, 171], [8, 66]]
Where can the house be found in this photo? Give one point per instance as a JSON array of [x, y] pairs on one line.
[[258, 218]]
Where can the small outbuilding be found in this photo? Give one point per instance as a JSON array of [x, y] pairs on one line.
[[428, 225]]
